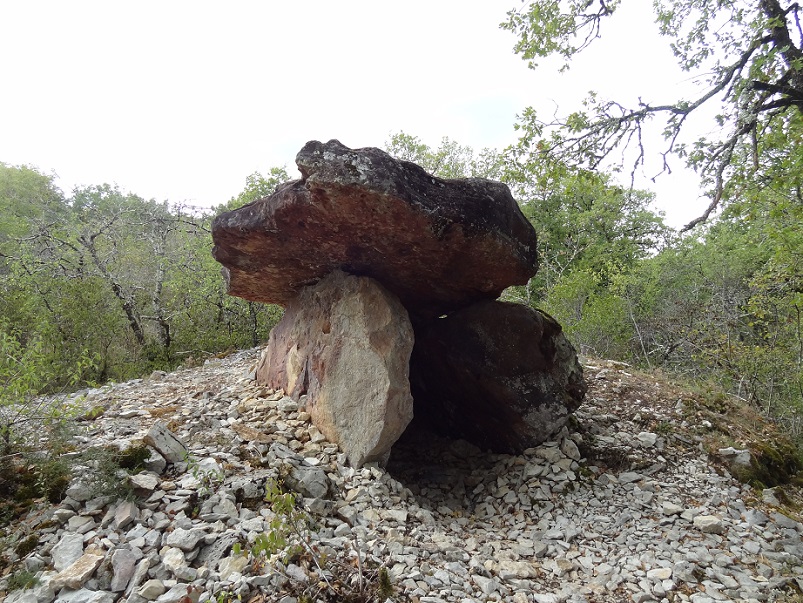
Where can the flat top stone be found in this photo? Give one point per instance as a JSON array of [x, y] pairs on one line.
[[437, 244]]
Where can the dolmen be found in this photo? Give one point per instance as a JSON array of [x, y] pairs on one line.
[[390, 279]]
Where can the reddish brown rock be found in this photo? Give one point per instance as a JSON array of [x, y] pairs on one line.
[[502, 376], [345, 343], [437, 244]]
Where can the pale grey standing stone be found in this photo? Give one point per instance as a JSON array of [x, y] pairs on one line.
[[346, 343]]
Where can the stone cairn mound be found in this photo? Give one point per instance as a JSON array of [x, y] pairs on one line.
[[377, 262], [621, 506]]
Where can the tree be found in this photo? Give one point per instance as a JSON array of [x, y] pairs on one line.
[[747, 54], [449, 160], [106, 274], [257, 186], [25, 372], [26, 195], [584, 222]]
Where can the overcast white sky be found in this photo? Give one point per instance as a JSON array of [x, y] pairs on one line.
[[181, 100]]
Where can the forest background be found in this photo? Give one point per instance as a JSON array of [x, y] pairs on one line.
[[100, 284]]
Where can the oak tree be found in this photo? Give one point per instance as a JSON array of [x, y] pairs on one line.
[[746, 54]]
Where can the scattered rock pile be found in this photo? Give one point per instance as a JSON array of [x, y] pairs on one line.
[[361, 228], [623, 506]]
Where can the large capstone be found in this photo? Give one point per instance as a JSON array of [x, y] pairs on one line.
[[357, 248], [500, 375], [345, 343], [436, 244]]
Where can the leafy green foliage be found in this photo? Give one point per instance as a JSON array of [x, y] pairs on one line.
[[449, 160], [725, 307], [288, 523], [726, 304], [27, 545], [747, 56], [22, 579], [288, 539], [257, 186], [26, 196], [128, 282], [548, 27], [35, 431], [584, 223], [25, 372]]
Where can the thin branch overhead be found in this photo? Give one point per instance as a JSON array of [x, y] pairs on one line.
[[757, 88]]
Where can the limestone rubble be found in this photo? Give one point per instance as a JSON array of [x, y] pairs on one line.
[[625, 506]]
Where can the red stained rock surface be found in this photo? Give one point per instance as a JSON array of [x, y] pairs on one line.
[[436, 244]]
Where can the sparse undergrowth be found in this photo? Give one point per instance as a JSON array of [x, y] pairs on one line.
[[288, 543], [710, 419], [726, 421]]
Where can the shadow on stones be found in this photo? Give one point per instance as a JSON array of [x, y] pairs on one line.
[[443, 472]]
